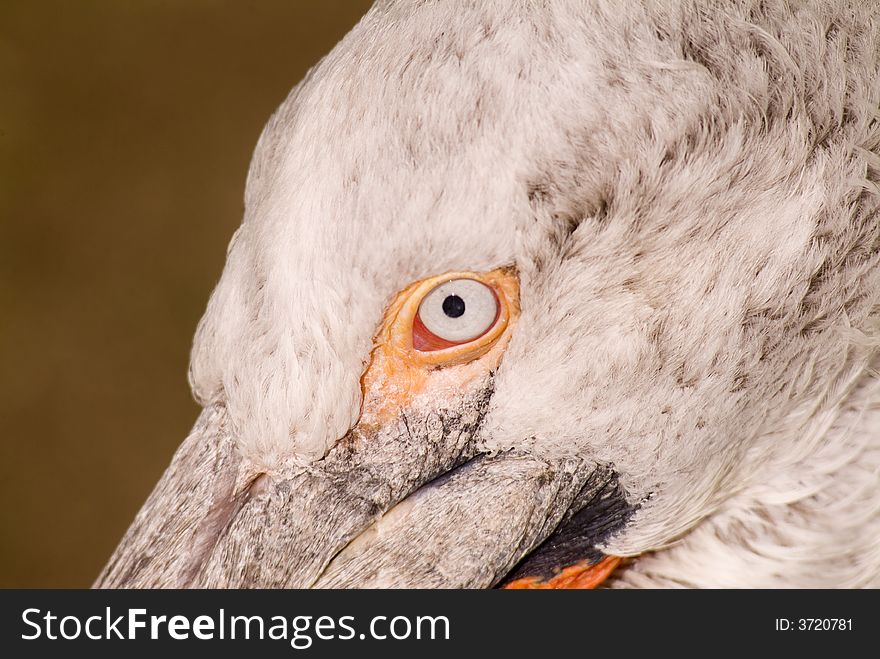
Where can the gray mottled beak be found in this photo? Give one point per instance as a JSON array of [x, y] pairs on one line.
[[408, 504]]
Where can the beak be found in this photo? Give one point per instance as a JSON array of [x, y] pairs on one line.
[[405, 499], [496, 519], [410, 505]]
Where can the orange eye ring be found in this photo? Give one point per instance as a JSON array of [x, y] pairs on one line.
[[411, 337], [400, 370]]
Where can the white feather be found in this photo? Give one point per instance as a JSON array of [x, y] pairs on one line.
[[689, 191]]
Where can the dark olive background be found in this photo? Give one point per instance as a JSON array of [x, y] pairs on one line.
[[125, 133]]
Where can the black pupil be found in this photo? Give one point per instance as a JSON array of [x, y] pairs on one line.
[[453, 306]]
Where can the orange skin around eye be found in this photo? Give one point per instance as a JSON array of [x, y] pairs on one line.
[[400, 376]]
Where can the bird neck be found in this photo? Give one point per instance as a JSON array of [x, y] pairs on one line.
[[808, 516]]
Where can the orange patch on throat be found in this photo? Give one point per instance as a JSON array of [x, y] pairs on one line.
[[578, 576]]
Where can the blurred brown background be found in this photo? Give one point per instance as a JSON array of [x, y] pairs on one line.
[[125, 133]]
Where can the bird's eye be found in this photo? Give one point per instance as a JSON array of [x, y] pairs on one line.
[[455, 312]]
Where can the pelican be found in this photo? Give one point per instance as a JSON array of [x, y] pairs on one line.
[[547, 295]]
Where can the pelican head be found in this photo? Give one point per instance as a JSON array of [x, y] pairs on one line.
[[527, 292]]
